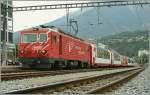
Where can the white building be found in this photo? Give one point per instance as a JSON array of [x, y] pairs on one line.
[[141, 52]]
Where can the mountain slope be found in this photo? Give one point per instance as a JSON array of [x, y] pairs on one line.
[[127, 43], [112, 20]]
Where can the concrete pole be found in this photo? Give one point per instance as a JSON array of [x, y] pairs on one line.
[[149, 41], [0, 39], [4, 46]]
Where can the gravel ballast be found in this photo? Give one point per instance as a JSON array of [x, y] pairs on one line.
[[7, 86], [137, 86]]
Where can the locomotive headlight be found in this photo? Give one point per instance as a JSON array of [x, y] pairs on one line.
[[43, 51]]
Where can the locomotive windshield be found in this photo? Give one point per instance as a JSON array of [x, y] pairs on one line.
[[29, 38], [43, 37]]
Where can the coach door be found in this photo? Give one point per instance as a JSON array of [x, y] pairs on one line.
[[60, 45]]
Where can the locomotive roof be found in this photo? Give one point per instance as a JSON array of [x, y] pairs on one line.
[[52, 28], [33, 29], [63, 32], [56, 29]]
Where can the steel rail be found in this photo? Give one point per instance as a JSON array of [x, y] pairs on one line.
[[28, 74], [60, 84], [107, 87]]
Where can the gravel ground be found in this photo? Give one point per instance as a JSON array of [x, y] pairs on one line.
[[140, 85], [7, 86], [91, 86]]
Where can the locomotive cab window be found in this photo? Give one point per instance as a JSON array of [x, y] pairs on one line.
[[29, 38], [54, 39], [43, 37]]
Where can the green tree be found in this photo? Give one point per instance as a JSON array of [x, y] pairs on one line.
[[143, 59]]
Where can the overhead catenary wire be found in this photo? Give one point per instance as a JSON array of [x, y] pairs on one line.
[[138, 15], [67, 18], [142, 14], [108, 22], [98, 15], [79, 5]]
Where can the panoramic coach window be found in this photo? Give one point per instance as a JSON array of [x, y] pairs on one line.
[[102, 53], [29, 38], [117, 57], [43, 37], [54, 39]]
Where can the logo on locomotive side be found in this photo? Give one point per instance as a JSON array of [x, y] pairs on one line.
[[73, 46], [37, 47]]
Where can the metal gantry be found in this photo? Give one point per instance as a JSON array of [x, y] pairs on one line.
[[81, 5]]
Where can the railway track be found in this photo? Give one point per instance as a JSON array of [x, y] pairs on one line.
[[35, 73], [16, 70], [114, 84], [84, 85]]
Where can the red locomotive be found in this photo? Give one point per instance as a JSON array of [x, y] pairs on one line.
[[52, 48]]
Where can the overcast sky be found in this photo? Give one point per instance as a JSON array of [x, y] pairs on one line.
[[26, 19]]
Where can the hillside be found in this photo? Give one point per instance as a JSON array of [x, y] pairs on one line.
[[127, 43], [111, 21]]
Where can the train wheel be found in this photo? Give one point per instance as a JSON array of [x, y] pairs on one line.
[[25, 66], [49, 66], [79, 64], [85, 64], [69, 65], [64, 65], [52, 66], [59, 65], [43, 66]]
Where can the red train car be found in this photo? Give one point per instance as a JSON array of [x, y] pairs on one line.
[[45, 47], [52, 48]]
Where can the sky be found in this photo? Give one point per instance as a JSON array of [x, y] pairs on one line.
[[27, 19]]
